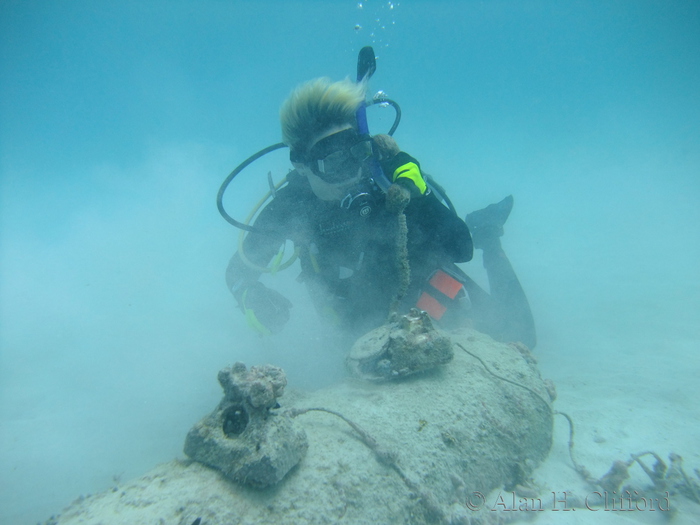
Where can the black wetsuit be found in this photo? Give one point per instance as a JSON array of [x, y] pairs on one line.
[[349, 261]]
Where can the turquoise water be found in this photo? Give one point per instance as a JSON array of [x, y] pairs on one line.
[[119, 120]]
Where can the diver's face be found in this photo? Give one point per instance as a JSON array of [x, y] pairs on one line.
[[333, 162]]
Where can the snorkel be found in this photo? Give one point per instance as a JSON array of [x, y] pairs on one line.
[[366, 66]]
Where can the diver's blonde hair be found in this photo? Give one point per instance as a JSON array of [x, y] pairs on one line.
[[317, 105]]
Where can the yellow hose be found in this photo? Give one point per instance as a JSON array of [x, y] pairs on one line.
[[277, 263]]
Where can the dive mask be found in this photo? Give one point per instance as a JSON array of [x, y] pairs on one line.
[[337, 157]]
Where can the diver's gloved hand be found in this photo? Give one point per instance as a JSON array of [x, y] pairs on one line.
[[386, 147], [486, 225], [266, 310]]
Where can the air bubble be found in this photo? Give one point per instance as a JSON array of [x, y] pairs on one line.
[[380, 96]]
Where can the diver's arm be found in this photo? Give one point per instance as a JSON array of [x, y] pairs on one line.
[[266, 310], [275, 223], [258, 250], [448, 234], [449, 231], [240, 276]]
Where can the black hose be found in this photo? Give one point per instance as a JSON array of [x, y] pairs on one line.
[[440, 192], [227, 181], [396, 107]]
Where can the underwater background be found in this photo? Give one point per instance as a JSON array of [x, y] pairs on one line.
[[119, 121]]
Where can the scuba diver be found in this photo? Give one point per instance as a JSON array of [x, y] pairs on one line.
[[341, 206]]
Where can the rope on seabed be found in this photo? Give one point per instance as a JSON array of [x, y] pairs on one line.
[[614, 477], [582, 471], [387, 457]]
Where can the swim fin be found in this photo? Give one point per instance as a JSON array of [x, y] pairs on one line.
[[486, 225]]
